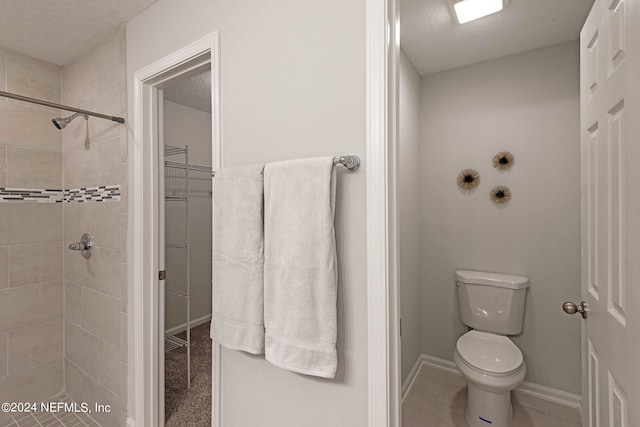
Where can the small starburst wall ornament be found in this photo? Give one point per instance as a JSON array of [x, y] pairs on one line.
[[500, 194], [468, 179], [503, 161]]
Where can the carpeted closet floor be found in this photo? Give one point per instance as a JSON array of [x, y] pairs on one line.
[[189, 407]]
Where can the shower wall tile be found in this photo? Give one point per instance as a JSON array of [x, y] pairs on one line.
[[33, 78], [110, 367], [35, 345], [82, 133], [111, 60], [3, 81], [98, 71], [96, 289], [92, 165], [83, 349], [29, 168], [124, 345], [124, 148], [30, 305], [83, 388], [101, 272], [3, 354], [124, 237], [72, 303], [30, 223], [3, 164], [73, 378], [79, 82], [35, 263], [101, 315], [4, 267], [124, 188], [27, 126], [33, 385], [102, 220], [113, 103], [123, 287], [123, 386]]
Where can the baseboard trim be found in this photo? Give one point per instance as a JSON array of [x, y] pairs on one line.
[[181, 328], [408, 382], [437, 362], [536, 390], [551, 394], [425, 359]]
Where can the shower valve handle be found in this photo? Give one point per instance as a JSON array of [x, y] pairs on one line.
[[85, 245], [79, 246]]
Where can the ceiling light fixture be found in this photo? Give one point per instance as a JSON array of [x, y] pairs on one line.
[[468, 10]]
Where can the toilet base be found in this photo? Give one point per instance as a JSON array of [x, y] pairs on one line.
[[486, 408]]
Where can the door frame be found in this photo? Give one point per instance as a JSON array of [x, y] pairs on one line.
[[383, 293], [145, 332]]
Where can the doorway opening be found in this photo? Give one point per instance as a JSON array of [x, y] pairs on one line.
[[171, 211], [185, 304]]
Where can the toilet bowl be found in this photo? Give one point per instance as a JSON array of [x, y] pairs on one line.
[[492, 305], [493, 366]]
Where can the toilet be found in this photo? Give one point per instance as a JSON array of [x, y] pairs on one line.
[[492, 305]]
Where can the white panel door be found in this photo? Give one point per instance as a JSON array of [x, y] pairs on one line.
[[610, 156]]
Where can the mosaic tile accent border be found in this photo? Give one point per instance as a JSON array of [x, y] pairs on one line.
[[93, 194], [30, 195], [106, 193]]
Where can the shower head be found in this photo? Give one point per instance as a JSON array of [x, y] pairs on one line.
[[62, 122]]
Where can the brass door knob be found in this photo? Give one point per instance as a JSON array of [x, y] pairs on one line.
[[571, 308]]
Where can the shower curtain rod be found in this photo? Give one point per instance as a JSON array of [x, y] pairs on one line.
[[60, 106]]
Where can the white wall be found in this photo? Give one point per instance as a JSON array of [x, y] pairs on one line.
[[187, 126], [293, 85], [409, 214], [527, 104]]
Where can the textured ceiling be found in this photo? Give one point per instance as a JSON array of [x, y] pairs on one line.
[[58, 31], [433, 41], [194, 92]]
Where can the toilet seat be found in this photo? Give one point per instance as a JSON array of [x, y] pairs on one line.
[[489, 353]]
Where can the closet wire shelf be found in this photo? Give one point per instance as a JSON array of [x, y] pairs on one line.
[[175, 293], [172, 342], [176, 245], [183, 181]]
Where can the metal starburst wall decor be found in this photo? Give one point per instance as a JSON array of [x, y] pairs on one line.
[[500, 194], [468, 179], [503, 161]]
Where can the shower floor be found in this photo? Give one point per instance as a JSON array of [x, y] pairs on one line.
[[48, 419]]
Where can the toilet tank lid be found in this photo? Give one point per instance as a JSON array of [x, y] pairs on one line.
[[492, 279]]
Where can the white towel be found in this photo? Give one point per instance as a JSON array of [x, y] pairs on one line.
[[300, 269], [238, 258]]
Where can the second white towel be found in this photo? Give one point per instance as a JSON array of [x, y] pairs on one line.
[[238, 256], [300, 269]]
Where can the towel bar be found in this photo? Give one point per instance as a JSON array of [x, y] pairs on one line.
[[351, 162]]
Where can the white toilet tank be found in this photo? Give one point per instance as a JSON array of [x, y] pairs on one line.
[[492, 302]]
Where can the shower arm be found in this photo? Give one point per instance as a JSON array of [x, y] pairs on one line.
[[60, 106]]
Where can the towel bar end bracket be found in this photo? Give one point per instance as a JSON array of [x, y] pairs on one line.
[[351, 162]]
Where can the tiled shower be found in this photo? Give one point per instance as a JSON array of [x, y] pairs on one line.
[[63, 318]]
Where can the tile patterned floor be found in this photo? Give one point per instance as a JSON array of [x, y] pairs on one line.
[[438, 397], [48, 419]]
